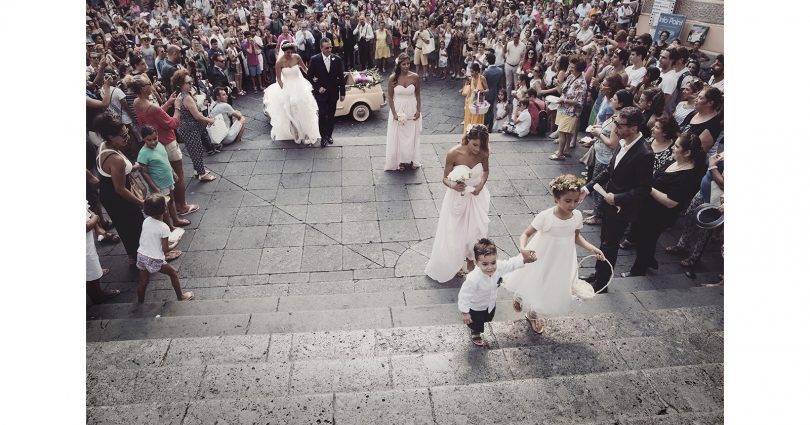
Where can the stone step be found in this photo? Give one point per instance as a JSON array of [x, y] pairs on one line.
[[280, 297], [339, 300], [371, 318], [336, 345], [626, 395]]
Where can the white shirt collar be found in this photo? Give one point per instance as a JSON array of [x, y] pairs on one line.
[[626, 146]]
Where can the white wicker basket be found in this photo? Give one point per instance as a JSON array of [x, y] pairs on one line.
[[584, 290]]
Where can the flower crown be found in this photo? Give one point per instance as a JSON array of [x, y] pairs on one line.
[[566, 183]]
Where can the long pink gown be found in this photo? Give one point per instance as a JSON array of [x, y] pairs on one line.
[[463, 220], [402, 141]]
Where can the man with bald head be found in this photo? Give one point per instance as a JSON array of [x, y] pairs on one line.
[[171, 65]]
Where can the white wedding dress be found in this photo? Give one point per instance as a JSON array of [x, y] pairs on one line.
[[463, 220], [292, 110]]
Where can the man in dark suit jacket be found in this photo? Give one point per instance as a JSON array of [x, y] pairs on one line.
[[627, 181], [217, 77], [495, 80], [328, 85], [349, 40]]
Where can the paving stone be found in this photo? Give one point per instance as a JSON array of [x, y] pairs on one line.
[[323, 320], [292, 181], [139, 414], [394, 210], [321, 288], [198, 264], [217, 350], [333, 345], [507, 402], [268, 167], [358, 193], [264, 181], [391, 193], [341, 301], [564, 359], [109, 386], [359, 211], [322, 234], [239, 169], [225, 199], [361, 232], [218, 217], [356, 164], [297, 166], [126, 354], [327, 164], [379, 407], [253, 216], [689, 388], [326, 179], [292, 196], [411, 263], [279, 235], [324, 213], [322, 258], [427, 370], [320, 376], [398, 230], [246, 237], [239, 261], [167, 383], [298, 409], [257, 291], [325, 195], [372, 273], [280, 260], [256, 380]]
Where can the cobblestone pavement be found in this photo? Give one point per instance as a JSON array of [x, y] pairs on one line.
[[290, 220]]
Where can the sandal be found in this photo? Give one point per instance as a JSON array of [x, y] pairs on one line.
[[207, 177], [537, 324], [191, 208], [675, 250], [593, 220], [557, 157], [181, 223], [516, 304], [104, 272], [476, 339], [626, 244], [401, 167], [112, 293], [187, 296], [106, 224], [461, 273], [687, 263], [173, 254], [108, 237]]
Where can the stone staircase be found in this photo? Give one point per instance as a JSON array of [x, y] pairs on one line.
[[636, 355]]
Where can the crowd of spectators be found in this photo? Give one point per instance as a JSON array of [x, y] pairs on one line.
[[566, 66]]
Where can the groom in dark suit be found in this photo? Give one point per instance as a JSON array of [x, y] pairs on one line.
[[628, 182], [328, 85]]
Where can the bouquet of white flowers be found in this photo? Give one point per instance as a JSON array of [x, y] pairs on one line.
[[401, 118], [460, 174]]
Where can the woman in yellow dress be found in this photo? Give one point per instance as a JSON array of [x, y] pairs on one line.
[[382, 52], [478, 83]]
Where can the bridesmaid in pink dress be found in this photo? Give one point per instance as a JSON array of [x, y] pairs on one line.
[[402, 140], [463, 218]]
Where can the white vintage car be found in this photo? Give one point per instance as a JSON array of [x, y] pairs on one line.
[[359, 101]]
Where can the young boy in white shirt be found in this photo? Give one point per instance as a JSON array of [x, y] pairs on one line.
[[476, 298], [523, 123]]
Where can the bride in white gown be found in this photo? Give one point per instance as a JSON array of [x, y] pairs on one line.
[[289, 102]]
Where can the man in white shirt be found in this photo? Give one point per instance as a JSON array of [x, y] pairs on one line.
[[585, 32], [365, 38], [583, 9], [514, 53], [718, 77], [623, 14], [636, 71], [478, 293], [241, 12], [422, 47], [676, 58]]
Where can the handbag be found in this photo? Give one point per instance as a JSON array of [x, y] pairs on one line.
[[218, 130], [136, 185]]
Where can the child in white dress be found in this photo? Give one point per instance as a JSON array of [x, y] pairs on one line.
[[501, 112], [544, 288]]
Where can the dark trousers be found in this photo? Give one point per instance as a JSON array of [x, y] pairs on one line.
[[365, 54], [479, 318], [348, 55], [613, 228], [489, 117], [645, 236], [327, 105]]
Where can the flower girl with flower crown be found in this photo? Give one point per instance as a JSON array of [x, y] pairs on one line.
[[404, 120], [543, 288]]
